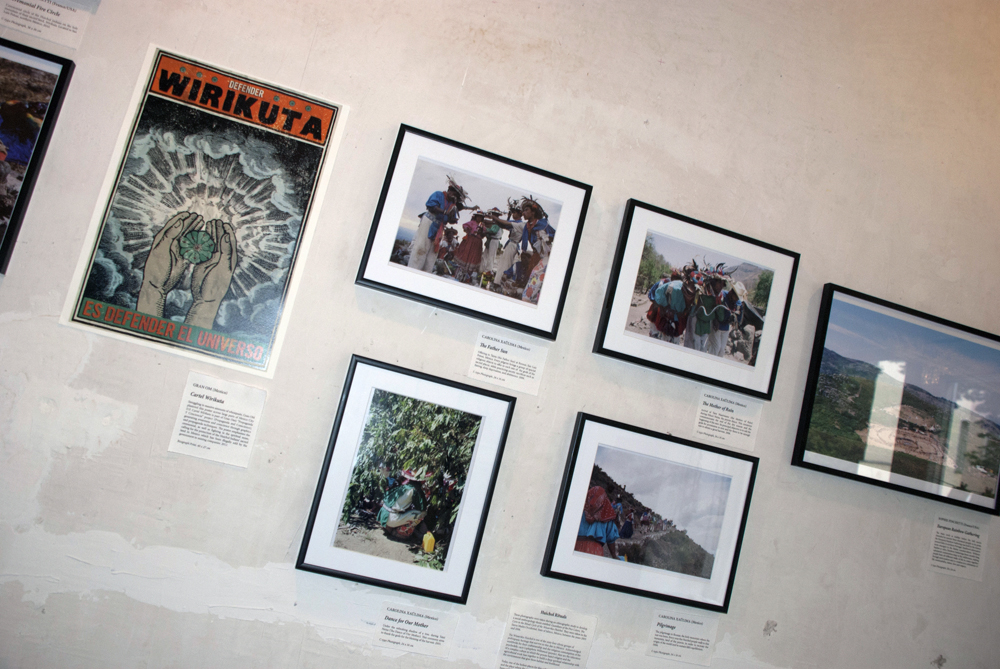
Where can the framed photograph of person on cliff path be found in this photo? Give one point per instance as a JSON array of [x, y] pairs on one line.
[[649, 514], [476, 233], [32, 86], [206, 214], [903, 400], [406, 485], [698, 301]]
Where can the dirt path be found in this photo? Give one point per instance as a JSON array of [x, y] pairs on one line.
[[374, 542], [639, 538], [636, 538], [637, 314]]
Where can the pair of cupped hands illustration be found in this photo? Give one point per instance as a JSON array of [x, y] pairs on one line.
[[188, 240]]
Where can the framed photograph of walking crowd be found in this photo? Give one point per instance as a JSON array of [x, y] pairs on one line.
[[32, 85], [469, 231], [904, 400], [649, 514], [693, 299], [406, 484]]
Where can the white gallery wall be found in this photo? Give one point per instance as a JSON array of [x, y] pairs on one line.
[[862, 135]]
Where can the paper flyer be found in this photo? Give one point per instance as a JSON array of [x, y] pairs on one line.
[[217, 420], [197, 242], [507, 362]]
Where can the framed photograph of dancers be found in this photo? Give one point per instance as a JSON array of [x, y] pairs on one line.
[[698, 301], [472, 232], [649, 514], [405, 488]]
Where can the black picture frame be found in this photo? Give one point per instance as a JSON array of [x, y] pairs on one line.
[[24, 122], [905, 420], [625, 331], [375, 394], [420, 165], [667, 471]]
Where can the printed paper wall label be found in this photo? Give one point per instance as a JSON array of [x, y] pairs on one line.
[[217, 420], [416, 630], [48, 20], [545, 637], [508, 362], [197, 242], [727, 418], [683, 637], [958, 548]]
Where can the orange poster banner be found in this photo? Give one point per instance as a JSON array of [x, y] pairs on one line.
[[206, 88]]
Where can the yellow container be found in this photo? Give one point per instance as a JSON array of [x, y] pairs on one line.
[[428, 543]]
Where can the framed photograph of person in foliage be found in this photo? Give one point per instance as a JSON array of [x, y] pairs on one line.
[[691, 299], [32, 85], [650, 514], [469, 231], [407, 481], [904, 400]]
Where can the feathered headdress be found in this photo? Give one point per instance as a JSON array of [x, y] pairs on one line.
[[452, 185], [513, 206], [528, 201]]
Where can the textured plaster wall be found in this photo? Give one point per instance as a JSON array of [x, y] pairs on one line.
[[862, 135]]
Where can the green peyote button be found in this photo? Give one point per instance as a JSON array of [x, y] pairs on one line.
[[197, 246]]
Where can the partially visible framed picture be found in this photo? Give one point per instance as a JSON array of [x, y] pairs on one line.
[[407, 481], [32, 84], [476, 233], [695, 300], [903, 400], [650, 514]]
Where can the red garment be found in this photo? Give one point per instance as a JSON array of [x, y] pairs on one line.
[[597, 508], [664, 321], [588, 545], [438, 237], [470, 250]]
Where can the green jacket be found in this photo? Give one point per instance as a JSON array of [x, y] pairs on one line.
[[704, 317], [400, 499]]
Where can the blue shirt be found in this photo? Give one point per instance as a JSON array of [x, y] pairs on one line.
[[436, 199], [605, 532], [541, 225], [676, 295], [724, 325]]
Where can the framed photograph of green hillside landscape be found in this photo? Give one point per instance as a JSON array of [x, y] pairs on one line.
[[650, 514], [406, 485], [903, 400], [696, 300]]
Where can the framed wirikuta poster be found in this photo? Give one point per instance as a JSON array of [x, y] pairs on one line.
[[32, 85], [207, 214], [650, 514], [476, 233], [406, 485], [695, 300], [903, 400]]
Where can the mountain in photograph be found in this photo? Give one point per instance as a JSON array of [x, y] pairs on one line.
[[746, 273], [929, 444], [661, 545]]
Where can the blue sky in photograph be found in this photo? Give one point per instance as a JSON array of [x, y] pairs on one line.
[[693, 498], [942, 364]]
